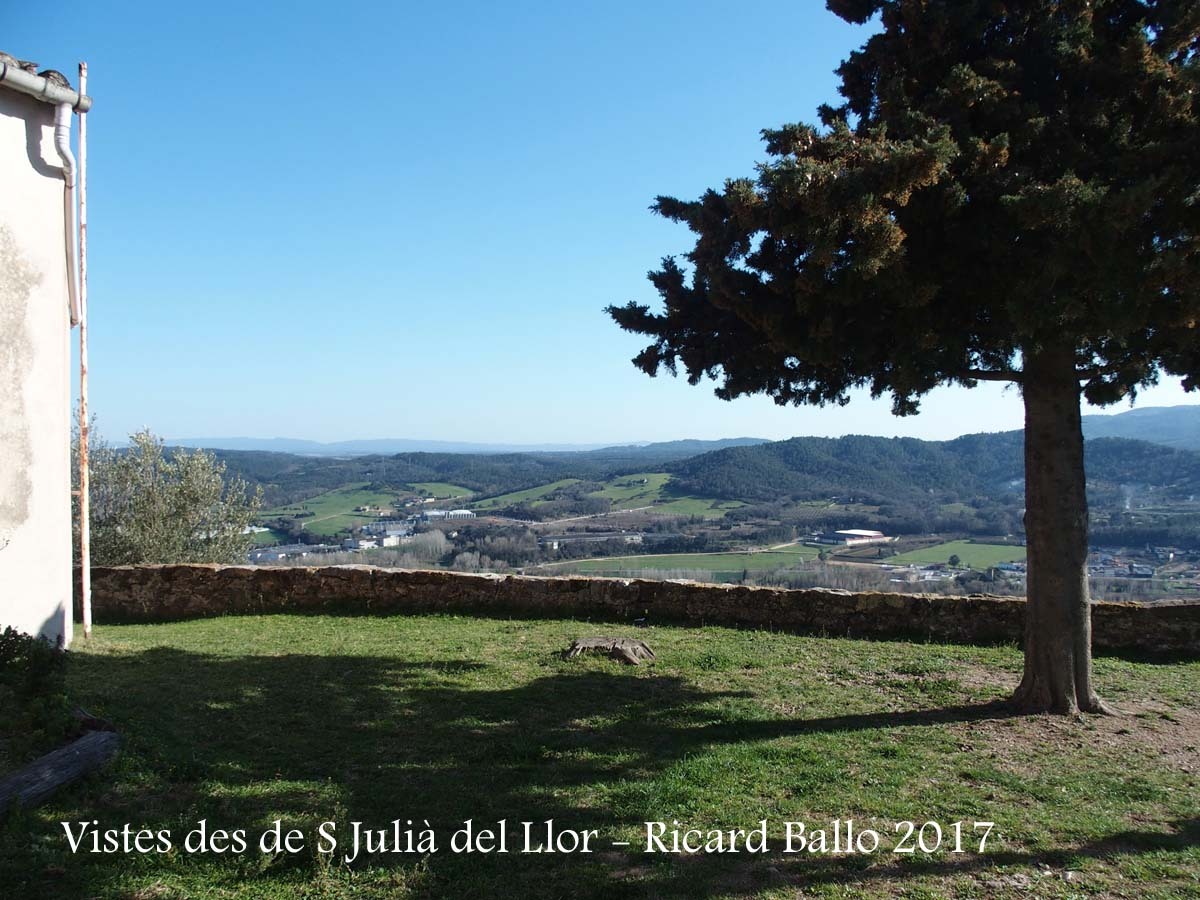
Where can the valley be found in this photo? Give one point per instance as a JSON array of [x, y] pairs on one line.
[[949, 512]]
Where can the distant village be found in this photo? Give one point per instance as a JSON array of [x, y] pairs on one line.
[[382, 532]]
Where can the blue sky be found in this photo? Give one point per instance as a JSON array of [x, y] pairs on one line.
[[335, 221]]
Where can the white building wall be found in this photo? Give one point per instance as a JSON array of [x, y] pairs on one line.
[[35, 482]]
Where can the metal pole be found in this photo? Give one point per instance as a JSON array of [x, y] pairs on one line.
[[85, 537]]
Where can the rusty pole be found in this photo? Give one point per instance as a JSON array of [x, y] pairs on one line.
[[85, 537]]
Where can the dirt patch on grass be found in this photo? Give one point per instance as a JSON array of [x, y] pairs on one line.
[[1169, 734]]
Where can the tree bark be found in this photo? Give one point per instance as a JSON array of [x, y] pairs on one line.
[[1058, 615], [31, 785]]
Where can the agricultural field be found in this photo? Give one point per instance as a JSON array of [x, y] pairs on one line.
[[643, 490], [267, 538], [629, 492], [530, 495], [975, 556], [696, 506], [717, 565], [441, 490], [333, 511]]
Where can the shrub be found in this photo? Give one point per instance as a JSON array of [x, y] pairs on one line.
[[34, 713]]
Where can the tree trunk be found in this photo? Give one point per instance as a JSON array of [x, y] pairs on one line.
[[31, 785], [1058, 615]]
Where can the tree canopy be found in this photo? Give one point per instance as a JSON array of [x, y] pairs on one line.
[[999, 177], [151, 505], [1007, 191]]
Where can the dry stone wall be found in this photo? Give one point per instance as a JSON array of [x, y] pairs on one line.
[[163, 593]]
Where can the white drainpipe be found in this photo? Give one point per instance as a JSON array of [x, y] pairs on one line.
[[62, 143]]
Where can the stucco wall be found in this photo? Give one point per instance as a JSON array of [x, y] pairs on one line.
[[160, 593], [35, 500]]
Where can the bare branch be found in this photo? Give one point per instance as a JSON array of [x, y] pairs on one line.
[[994, 375]]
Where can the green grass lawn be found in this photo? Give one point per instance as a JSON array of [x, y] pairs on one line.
[[715, 563], [977, 556], [241, 721], [441, 490]]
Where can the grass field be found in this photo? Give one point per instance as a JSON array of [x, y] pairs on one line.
[[441, 490], [715, 563], [333, 511], [697, 506], [307, 719], [527, 496], [976, 556], [628, 492], [267, 538]]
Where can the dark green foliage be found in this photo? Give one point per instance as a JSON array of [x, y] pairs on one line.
[[288, 478], [1175, 426], [1000, 178], [898, 470], [34, 713]]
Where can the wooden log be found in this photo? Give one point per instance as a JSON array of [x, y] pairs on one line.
[[628, 650], [35, 782]]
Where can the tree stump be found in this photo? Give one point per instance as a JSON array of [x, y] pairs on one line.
[[627, 650], [35, 782]]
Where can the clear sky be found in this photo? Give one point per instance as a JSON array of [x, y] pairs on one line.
[[354, 220]]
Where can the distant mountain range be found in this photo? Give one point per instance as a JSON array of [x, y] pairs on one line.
[[388, 446], [1173, 426]]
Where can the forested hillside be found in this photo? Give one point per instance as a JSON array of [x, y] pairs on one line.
[[287, 478], [1174, 426], [882, 470], [871, 470]]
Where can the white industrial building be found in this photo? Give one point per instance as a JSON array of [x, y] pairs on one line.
[[853, 537]]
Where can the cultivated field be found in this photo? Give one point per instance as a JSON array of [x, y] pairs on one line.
[[441, 490], [975, 556], [527, 496], [311, 719], [333, 511], [718, 565], [627, 492]]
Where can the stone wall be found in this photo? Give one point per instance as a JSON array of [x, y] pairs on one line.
[[161, 593]]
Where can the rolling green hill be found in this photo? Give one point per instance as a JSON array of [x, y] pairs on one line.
[[1173, 426], [900, 469]]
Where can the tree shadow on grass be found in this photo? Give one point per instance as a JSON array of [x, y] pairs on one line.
[[243, 740], [740, 877]]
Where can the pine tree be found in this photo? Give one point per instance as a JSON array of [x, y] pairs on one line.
[[1008, 192]]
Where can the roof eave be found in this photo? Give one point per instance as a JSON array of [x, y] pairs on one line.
[[42, 89]]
